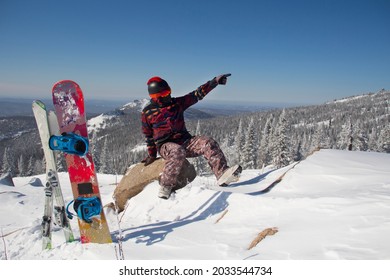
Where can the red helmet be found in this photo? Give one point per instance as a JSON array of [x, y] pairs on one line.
[[158, 87]]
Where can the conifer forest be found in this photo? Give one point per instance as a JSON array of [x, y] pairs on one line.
[[268, 137]]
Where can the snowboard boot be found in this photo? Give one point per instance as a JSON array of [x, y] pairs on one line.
[[231, 175], [164, 192]]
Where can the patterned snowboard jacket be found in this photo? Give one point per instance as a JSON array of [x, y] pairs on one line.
[[164, 122]]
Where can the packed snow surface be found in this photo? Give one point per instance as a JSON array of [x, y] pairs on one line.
[[333, 205]]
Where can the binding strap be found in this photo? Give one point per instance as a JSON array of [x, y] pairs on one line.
[[85, 207]]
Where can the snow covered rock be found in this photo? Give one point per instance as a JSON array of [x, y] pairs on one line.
[[36, 182], [6, 179]]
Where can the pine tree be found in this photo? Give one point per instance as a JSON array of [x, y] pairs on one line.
[[264, 149], [298, 155], [384, 140], [21, 166], [239, 141], [7, 166], [39, 166], [250, 151], [93, 149], [372, 140], [345, 141], [315, 139], [280, 152], [361, 140], [30, 167], [104, 158]]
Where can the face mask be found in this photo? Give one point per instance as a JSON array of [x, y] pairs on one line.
[[163, 100]]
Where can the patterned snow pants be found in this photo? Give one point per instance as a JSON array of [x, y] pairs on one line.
[[175, 155]]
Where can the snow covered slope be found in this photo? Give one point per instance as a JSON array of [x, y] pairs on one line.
[[333, 205]]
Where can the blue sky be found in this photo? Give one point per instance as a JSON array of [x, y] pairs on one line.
[[303, 52]]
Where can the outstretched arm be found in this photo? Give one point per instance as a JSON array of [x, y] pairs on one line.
[[198, 94]]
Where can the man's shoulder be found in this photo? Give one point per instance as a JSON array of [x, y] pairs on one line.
[[148, 106]]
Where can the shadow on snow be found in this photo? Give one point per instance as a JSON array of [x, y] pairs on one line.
[[217, 203], [157, 232]]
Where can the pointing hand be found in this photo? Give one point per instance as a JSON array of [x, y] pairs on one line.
[[222, 79]]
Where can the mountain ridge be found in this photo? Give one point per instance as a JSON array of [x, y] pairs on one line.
[[118, 130]]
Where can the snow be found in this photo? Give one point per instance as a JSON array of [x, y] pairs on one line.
[[348, 99], [335, 205], [140, 103], [99, 122], [139, 148]]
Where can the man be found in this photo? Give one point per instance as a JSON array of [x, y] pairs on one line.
[[165, 132]]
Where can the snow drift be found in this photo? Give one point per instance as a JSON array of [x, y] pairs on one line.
[[333, 205]]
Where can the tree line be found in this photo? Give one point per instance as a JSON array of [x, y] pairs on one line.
[[275, 137]]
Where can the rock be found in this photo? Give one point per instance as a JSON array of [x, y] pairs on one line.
[[139, 176], [35, 182], [6, 179]]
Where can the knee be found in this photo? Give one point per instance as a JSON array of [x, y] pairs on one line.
[[180, 153], [172, 150], [209, 142]]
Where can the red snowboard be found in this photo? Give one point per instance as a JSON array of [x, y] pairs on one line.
[[68, 102]]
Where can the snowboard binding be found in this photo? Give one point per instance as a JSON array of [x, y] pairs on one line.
[[70, 143], [85, 207]]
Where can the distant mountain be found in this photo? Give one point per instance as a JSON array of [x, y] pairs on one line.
[[132, 110], [359, 123], [10, 107], [381, 94], [22, 107], [226, 108]]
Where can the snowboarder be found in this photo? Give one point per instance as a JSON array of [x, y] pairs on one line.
[[165, 132]]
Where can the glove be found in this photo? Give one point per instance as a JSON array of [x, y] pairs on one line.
[[222, 79], [148, 160]]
